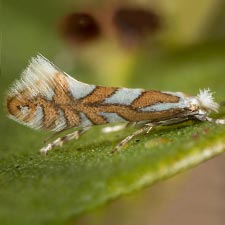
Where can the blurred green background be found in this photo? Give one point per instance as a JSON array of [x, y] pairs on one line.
[[185, 52]]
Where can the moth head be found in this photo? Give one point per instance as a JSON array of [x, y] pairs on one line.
[[204, 102]]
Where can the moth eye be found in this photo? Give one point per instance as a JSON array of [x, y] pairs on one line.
[[194, 107]]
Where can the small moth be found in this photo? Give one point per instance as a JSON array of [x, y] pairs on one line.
[[47, 98]]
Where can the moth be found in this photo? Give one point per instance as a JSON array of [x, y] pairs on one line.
[[46, 98]]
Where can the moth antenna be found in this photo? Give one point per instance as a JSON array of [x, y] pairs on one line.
[[217, 121]]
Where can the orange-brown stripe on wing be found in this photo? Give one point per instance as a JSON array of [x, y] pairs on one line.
[[88, 105], [22, 100], [13, 104], [94, 117], [49, 111], [63, 101], [61, 89], [98, 95], [149, 98], [132, 115]]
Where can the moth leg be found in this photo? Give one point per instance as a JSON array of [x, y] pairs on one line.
[[62, 140], [110, 129], [217, 121], [130, 124], [54, 135], [145, 128]]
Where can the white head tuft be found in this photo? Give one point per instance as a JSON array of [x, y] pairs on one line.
[[206, 100]]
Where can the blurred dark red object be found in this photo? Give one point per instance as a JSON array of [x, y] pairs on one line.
[[130, 26], [134, 25], [79, 28]]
